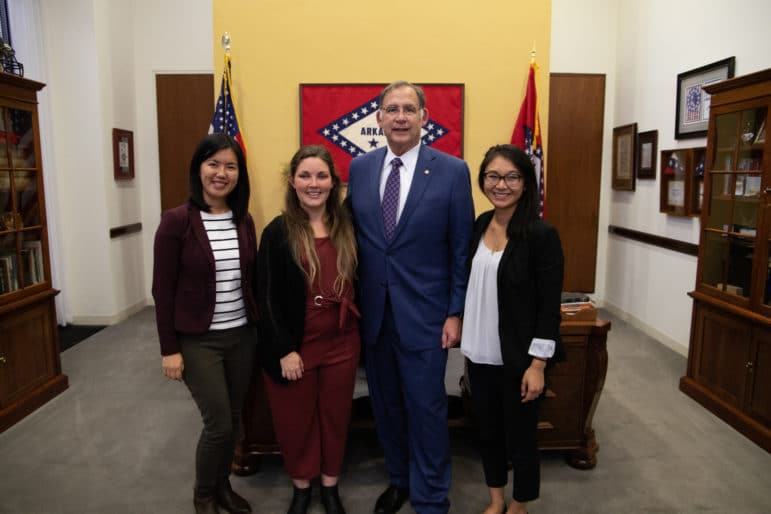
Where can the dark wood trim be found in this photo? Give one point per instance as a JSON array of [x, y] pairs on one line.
[[652, 239], [712, 301], [125, 229], [29, 300]]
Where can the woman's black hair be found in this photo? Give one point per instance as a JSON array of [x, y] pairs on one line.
[[238, 199], [528, 208]]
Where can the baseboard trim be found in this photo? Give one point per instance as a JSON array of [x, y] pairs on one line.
[[110, 320], [649, 330]]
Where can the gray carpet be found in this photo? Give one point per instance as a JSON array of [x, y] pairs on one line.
[[121, 440]]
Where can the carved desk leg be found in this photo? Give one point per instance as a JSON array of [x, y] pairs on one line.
[[258, 438], [585, 457]]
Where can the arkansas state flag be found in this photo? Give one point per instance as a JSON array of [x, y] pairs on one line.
[[527, 131], [225, 119], [343, 119]]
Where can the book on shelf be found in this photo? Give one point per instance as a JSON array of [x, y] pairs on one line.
[[739, 189], [8, 269], [27, 267], [4, 286], [36, 250], [752, 185], [761, 137]]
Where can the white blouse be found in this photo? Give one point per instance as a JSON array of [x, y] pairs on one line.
[[480, 340]]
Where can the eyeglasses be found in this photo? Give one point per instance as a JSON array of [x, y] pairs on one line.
[[511, 180], [408, 110]]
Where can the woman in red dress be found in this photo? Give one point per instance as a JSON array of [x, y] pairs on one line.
[[309, 337]]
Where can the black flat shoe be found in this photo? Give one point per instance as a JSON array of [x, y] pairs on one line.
[[228, 500], [205, 504], [330, 499], [301, 500], [391, 500]]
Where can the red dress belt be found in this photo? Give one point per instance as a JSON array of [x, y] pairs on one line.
[[345, 304]]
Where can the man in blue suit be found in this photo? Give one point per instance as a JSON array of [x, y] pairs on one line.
[[413, 214]]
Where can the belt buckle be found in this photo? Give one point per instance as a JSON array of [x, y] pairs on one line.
[[317, 300]]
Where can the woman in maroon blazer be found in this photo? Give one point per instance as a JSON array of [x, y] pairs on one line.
[[205, 310]]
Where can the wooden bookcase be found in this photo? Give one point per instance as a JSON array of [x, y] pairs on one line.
[[30, 368], [729, 358]]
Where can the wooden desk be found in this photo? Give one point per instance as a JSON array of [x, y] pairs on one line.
[[566, 416], [575, 385]]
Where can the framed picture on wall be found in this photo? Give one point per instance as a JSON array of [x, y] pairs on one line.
[[692, 107], [624, 157], [123, 154], [342, 117], [646, 154]]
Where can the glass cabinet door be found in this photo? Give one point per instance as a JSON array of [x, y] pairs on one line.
[[27, 204], [7, 221], [9, 268], [22, 138], [767, 272], [730, 232], [22, 261], [4, 136]]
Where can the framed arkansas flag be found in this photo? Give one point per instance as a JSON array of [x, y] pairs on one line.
[[342, 118]]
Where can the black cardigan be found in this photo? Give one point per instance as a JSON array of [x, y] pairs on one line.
[[529, 290], [281, 289]]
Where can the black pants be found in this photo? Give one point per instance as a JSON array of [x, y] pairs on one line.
[[508, 429], [218, 368]]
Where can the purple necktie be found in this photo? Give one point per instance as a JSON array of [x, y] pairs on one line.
[[390, 203]]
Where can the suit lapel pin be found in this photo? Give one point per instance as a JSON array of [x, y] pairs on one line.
[[426, 172]]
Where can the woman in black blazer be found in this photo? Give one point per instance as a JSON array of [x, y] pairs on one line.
[[511, 323]]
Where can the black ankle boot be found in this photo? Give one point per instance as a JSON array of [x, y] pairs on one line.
[[330, 498], [228, 500], [205, 504], [301, 500]]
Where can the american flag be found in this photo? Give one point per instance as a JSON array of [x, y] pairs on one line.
[[527, 131], [225, 119], [693, 103]]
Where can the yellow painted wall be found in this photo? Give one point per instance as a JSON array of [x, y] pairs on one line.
[[278, 44]]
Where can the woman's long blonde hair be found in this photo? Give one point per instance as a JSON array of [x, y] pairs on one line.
[[337, 219]]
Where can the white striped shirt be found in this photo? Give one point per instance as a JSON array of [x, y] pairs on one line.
[[229, 308]]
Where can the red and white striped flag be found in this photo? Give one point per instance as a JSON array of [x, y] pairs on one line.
[[527, 131]]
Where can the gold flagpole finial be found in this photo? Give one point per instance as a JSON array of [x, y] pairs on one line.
[[225, 42], [532, 54]]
